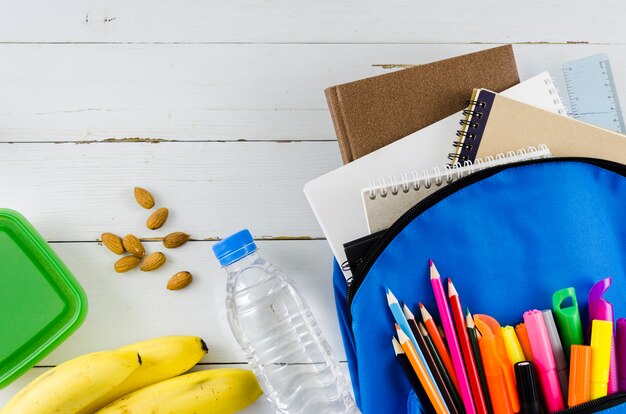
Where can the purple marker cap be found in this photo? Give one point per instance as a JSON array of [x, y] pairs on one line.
[[600, 308], [621, 353]]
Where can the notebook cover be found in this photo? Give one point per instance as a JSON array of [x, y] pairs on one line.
[[510, 124], [373, 112], [335, 197]]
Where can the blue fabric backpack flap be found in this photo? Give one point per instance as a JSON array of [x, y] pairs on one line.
[[509, 237]]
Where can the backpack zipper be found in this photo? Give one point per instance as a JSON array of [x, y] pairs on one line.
[[434, 198], [594, 406]]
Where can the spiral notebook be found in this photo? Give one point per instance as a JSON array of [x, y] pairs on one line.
[[387, 198], [496, 123], [335, 197]]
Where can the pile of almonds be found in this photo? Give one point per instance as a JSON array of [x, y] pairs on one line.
[[136, 253]]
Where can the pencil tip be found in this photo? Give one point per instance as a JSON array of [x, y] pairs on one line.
[[422, 329], [431, 263], [391, 298], [469, 321], [402, 336], [434, 274], [425, 314], [451, 289], [396, 346], [407, 312]]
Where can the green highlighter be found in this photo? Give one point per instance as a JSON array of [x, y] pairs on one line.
[[41, 303], [567, 319]]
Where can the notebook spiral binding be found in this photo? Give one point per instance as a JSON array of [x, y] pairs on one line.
[[474, 113], [414, 181]]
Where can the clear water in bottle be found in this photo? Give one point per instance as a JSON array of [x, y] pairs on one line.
[[277, 332]]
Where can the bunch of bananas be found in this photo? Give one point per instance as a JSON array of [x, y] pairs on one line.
[[140, 378]]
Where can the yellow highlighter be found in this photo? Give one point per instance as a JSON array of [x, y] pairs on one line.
[[601, 338], [512, 345]]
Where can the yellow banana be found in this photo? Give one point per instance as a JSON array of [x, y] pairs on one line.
[[215, 391], [162, 358], [74, 384]]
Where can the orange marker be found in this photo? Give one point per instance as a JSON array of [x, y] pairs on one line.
[[435, 335], [498, 369], [579, 374], [422, 375], [522, 336]]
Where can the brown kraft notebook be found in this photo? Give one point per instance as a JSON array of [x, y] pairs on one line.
[[373, 112]]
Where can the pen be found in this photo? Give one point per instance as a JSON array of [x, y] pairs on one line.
[[562, 367], [453, 344], [579, 374], [466, 348], [601, 309], [412, 377], [567, 319], [601, 344], [434, 369], [544, 360], [527, 388]]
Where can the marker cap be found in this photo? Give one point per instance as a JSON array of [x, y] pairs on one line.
[[528, 388], [567, 319], [580, 369]]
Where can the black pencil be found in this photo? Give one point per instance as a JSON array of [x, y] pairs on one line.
[[458, 402], [412, 377], [444, 387], [473, 336]]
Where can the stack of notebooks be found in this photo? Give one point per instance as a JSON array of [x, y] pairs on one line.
[[405, 134]]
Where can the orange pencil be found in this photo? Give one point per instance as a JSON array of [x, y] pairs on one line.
[[440, 345], [466, 348], [422, 375], [522, 336]]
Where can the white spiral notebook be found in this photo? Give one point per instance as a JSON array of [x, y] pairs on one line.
[[336, 196], [386, 199]]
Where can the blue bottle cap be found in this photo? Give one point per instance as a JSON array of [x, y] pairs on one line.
[[234, 247]]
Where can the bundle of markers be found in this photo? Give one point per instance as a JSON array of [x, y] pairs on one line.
[[533, 368]]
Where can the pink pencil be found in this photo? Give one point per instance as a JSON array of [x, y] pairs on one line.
[[453, 343]]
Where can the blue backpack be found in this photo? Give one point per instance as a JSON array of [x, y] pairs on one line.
[[509, 237]]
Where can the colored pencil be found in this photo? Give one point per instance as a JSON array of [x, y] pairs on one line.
[[453, 344], [433, 351], [466, 349], [435, 336], [420, 370], [401, 321], [412, 377], [474, 336], [453, 405]]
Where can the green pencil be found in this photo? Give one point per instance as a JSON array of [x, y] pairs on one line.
[[473, 336]]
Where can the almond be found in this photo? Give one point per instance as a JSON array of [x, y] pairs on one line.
[[133, 245], [157, 219], [126, 263], [144, 198], [173, 240], [179, 281], [112, 242], [153, 261]]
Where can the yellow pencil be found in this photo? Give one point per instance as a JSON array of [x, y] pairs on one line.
[[422, 375]]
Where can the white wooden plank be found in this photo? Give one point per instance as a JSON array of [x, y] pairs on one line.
[[209, 92], [354, 21], [75, 192], [134, 306], [260, 406]]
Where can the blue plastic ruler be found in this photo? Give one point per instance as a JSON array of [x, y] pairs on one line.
[[592, 93]]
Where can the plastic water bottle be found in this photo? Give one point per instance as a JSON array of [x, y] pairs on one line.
[[294, 364]]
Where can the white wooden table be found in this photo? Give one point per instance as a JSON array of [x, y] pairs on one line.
[[218, 108]]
